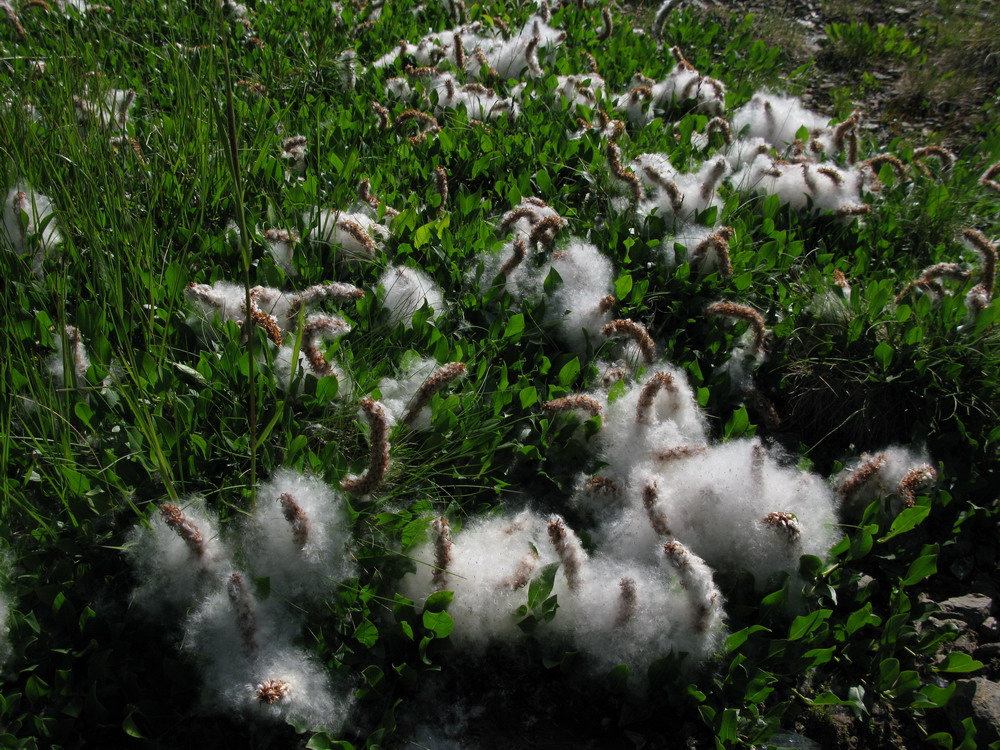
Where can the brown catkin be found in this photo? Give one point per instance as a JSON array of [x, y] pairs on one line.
[[745, 313], [607, 26], [866, 471], [544, 232], [243, 609], [628, 602], [382, 114], [185, 528], [438, 380], [944, 157], [712, 179], [913, 480], [719, 242], [519, 251], [613, 153], [635, 331], [667, 186], [570, 552], [657, 518], [442, 552], [720, 125], [591, 61], [606, 303], [296, 518], [12, 17], [312, 334], [572, 403], [378, 459], [644, 408], [786, 523], [843, 132], [263, 320], [988, 252], [515, 215], [989, 178], [441, 185], [677, 452], [522, 576], [358, 233], [682, 62], [270, 692], [601, 486]]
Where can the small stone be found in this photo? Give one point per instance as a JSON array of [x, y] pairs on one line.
[[970, 608], [979, 698], [990, 629]]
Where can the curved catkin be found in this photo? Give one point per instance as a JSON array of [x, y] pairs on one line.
[[567, 546], [441, 185], [912, 481], [459, 48], [572, 403], [312, 334], [270, 692], [515, 215], [661, 16], [696, 579], [988, 251], [544, 232], [635, 331], [845, 136], [943, 156], [601, 486], [718, 241], [654, 511], [874, 164], [591, 61], [681, 60], [606, 303], [519, 252], [628, 602], [184, 527], [336, 291], [382, 114], [243, 610], [989, 178], [296, 518], [644, 407], [928, 280], [531, 57], [787, 524], [678, 452], [522, 576], [865, 472], [667, 186], [359, 234], [438, 380], [607, 27], [442, 552], [720, 125], [614, 156], [267, 322], [712, 178], [745, 313], [378, 461]]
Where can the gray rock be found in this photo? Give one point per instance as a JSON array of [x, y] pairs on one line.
[[990, 629], [987, 652], [971, 608], [980, 699]]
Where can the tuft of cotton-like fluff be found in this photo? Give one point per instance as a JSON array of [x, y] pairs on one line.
[[821, 186], [299, 535], [177, 556], [777, 120], [581, 304], [248, 665], [892, 475], [29, 225], [404, 290], [675, 195], [356, 233], [397, 393], [488, 567]]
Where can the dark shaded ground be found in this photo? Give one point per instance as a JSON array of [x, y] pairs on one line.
[[926, 70]]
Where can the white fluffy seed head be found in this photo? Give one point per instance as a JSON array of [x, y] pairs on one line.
[[404, 290]]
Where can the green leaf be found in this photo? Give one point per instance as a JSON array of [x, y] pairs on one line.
[[541, 585], [515, 327], [907, 520], [728, 725], [528, 396], [740, 637], [129, 725], [805, 624], [883, 353], [569, 371], [366, 634], [957, 661], [439, 623], [438, 601], [921, 568], [623, 285]]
